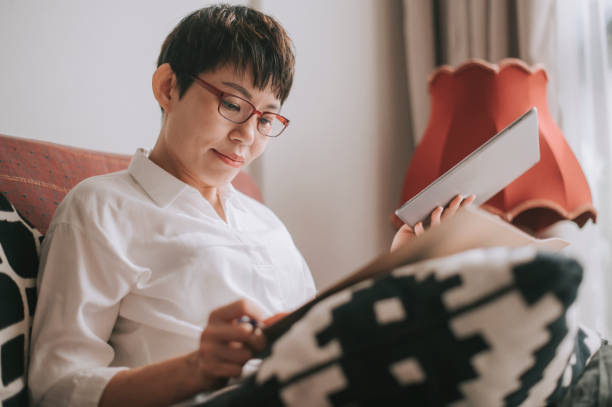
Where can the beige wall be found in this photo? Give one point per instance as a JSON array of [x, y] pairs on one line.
[[79, 72], [335, 176]]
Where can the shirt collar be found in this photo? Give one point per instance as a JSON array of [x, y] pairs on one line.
[[161, 186]]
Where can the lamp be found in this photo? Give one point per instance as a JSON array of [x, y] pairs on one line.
[[473, 102]]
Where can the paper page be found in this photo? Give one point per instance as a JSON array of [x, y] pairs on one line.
[[469, 228]]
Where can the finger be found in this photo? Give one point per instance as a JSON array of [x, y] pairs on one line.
[[418, 229], [406, 229], [257, 342], [455, 202], [227, 332], [233, 352], [236, 310], [467, 201], [452, 206], [435, 216], [404, 234]]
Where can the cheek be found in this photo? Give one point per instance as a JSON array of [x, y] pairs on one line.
[[181, 124], [197, 116], [258, 148], [191, 131]]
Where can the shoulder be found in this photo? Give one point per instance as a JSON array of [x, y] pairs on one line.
[[93, 197]]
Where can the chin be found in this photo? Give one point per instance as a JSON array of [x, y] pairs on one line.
[[221, 180]]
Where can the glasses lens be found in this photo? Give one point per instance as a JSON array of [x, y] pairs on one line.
[[270, 125], [238, 110], [234, 109]]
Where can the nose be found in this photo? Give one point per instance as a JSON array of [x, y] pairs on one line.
[[245, 133]]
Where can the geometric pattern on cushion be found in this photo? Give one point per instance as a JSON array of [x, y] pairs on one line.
[[19, 250], [594, 386], [486, 327], [586, 344]]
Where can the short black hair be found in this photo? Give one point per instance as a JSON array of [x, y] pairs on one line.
[[223, 34]]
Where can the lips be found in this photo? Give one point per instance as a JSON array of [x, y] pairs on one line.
[[230, 159]]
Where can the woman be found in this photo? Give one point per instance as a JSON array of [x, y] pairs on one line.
[[135, 263]]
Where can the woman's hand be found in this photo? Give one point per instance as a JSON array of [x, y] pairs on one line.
[[227, 344], [406, 233]]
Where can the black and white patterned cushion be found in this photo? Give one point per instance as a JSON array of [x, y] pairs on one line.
[[19, 249], [487, 327], [586, 343]]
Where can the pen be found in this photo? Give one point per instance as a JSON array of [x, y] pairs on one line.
[[248, 320]]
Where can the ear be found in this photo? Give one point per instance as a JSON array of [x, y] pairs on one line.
[[164, 86]]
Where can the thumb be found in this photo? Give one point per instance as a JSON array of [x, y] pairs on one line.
[[403, 235]]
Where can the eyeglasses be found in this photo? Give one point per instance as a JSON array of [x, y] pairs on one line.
[[239, 110]]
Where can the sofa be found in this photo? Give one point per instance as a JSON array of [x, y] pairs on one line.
[[483, 327]]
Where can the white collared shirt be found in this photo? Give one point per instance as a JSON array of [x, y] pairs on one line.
[[132, 265]]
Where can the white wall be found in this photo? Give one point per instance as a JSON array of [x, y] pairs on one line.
[[79, 72]]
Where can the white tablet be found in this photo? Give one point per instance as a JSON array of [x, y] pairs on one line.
[[485, 172]]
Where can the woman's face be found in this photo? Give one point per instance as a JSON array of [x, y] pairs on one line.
[[206, 145]]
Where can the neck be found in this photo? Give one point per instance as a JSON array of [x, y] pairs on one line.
[[166, 159]]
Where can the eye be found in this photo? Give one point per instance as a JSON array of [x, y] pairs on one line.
[[264, 121], [229, 105], [267, 120]]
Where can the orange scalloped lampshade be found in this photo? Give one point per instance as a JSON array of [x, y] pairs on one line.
[[472, 103]]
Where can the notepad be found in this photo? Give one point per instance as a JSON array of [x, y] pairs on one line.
[[484, 172]]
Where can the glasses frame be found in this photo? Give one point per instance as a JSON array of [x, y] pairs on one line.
[[219, 93]]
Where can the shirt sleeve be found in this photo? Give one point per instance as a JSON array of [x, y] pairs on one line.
[[82, 279], [309, 285]]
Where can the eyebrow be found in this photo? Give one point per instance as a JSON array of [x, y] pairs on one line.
[[248, 95]]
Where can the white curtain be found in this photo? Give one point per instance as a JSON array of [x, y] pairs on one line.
[[580, 98], [570, 39]]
